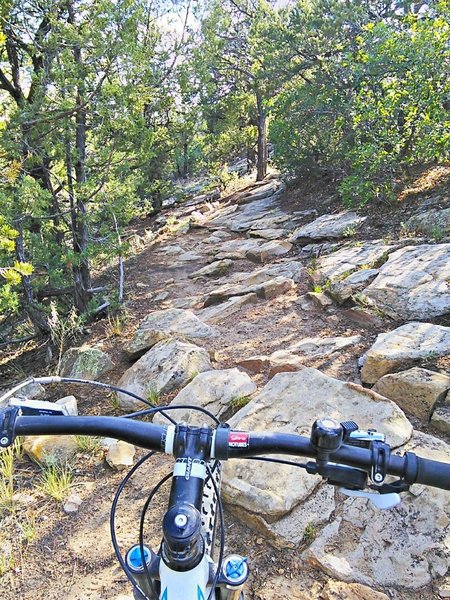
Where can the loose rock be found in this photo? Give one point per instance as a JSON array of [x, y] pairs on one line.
[[164, 324], [416, 390], [72, 503], [170, 364], [214, 390], [120, 454], [441, 419], [85, 363], [51, 449]]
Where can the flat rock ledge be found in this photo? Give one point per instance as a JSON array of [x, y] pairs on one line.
[[406, 548], [398, 349], [339, 225], [291, 402], [414, 283]]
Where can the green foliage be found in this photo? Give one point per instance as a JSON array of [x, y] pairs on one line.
[[371, 94]]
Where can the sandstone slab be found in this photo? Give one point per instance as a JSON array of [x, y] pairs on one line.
[[344, 289], [269, 250], [267, 289], [416, 390], [85, 363], [214, 269], [220, 312], [344, 261], [169, 365], [213, 390], [291, 402], [339, 225], [268, 234], [406, 548], [414, 283], [434, 222], [399, 348], [163, 324]]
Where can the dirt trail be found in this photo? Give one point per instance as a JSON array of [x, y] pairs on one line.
[[71, 557]]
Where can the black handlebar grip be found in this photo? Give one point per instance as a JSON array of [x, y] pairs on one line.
[[433, 472]]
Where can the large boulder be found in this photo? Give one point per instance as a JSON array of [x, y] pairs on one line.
[[434, 222], [216, 391], [85, 363], [414, 283], [405, 548], [397, 349], [416, 390], [164, 324], [340, 225], [169, 365], [291, 402]]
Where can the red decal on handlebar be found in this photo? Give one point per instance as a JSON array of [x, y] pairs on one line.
[[237, 439]]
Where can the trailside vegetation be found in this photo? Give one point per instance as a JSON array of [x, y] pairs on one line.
[[105, 104]]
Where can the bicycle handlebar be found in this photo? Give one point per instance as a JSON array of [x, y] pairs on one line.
[[226, 443]]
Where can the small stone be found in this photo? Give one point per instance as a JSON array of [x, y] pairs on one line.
[[120, 454], [254, 364], [441, 419], [55, 449], [319, 299], [444, 588], [72, 504]]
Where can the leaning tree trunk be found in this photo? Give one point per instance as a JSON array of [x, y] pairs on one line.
[[261, 164]]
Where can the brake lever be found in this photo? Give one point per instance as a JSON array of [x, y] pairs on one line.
[[380, 501]]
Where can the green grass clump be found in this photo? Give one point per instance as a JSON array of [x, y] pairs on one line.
[[56, 481]]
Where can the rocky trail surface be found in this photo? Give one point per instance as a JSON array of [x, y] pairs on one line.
[[270, 313]]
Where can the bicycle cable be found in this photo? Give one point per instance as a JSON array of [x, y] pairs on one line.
[[112, 519]]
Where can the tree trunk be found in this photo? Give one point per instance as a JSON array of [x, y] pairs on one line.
[[80, 232], [261, 164]]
